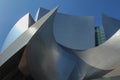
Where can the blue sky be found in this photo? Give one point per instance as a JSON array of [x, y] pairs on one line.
[[12, 10]]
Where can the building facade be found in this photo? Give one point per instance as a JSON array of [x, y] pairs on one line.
[[59, 46], [99, 35]]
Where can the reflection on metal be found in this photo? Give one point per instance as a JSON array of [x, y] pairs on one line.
[[50, 56], [20, 27], [40, 13], [107, 54], [76, 32], [21, 41], [50, 60]]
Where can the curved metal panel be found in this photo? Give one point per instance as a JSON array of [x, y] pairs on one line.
[[76, 32], [46, 63], [105, 56], [49, 61], [20, 27], [21, 41]]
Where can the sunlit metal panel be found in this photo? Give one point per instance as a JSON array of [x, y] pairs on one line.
[[44, 54], [105, 56], [20, 27], [47, 60], [75, 32], [21, 41]]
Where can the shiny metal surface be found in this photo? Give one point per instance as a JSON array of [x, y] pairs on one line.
[[76, 32], [20, 27], [21, 41], [107, 55], [46, 60], [40, 13], [49, 60]]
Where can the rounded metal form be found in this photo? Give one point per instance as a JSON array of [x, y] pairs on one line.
[[76, 32], [49, 60]]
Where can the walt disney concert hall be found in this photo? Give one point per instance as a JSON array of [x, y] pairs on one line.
[[57, 46]]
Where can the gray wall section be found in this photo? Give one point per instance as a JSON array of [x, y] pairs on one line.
[[74, 32], [111, 25]]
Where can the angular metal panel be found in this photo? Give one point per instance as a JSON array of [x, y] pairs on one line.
[[47, 60], [20, 27], [21, 41], [110, 25], [105, 56], [75, 32], [44, 55], [40, 13]]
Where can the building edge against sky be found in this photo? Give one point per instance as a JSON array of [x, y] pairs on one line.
[[20, 27], [78, 35], [26, 36], [60, 34], [88, 63]]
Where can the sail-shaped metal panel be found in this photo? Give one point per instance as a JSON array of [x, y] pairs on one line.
[[20, 27], [21, 41], [105, 56]]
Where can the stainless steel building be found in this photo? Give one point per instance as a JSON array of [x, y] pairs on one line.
[[58, 46]]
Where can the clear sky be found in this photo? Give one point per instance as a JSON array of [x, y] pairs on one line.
[[12, 10]]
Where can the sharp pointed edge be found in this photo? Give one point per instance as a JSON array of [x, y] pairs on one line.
[[111, 25], [30, 20], [24, 38], [39, 14], [20, 27]]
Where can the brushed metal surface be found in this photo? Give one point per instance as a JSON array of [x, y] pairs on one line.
[[19, 28], [49, 60], [107, 55], [21, 41], [76, 32]]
